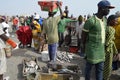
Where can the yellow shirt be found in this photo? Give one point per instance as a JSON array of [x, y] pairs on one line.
[[117, 34], [37, 25]]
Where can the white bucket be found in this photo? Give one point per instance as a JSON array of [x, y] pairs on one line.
[[44, 56]]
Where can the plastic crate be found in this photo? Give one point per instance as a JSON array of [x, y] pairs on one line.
[[73, 49], [49, 5]]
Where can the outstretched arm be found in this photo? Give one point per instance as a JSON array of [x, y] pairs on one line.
[[4, 37], [58, 4], [8, 40]]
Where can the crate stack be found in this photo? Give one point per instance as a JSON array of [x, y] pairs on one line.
[[73, 48]]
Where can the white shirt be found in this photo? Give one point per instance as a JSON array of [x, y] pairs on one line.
[[79, 29], [4, 24], [2, 43], [36, 16]]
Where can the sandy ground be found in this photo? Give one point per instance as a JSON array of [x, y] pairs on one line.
[[14, 63]]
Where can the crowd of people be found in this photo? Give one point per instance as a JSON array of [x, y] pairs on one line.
[[98, 37]]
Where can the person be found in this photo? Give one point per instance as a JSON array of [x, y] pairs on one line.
[[93, 40], [79, 27], [41, 21], [110, 48], [36, 17], [62, 27], [36, 32], [5, 27], [117, 39], [27, 21], [50, 28], [88, 16], [22, 20], [66, 11], [85, 18], [15, 23], [24, 35], [117, 13], [3, 39]]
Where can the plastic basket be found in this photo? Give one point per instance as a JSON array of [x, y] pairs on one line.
[[49, 5]]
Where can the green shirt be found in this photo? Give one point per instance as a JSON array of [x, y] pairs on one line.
[[62, 24], [94, 47], [50, 27]]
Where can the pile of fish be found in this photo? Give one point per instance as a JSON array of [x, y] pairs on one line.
[[30, 66]]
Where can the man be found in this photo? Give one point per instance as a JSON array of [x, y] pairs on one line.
[[66, 11], [50, 28], [93, 39], [62, 26], [79, 27], [3, 39]]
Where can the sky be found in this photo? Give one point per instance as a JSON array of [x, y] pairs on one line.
[[75, 7]]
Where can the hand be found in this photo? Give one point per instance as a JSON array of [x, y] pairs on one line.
[[58, 3], [12, 43]]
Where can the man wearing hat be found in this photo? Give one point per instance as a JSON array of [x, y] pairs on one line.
[[93, 40]]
